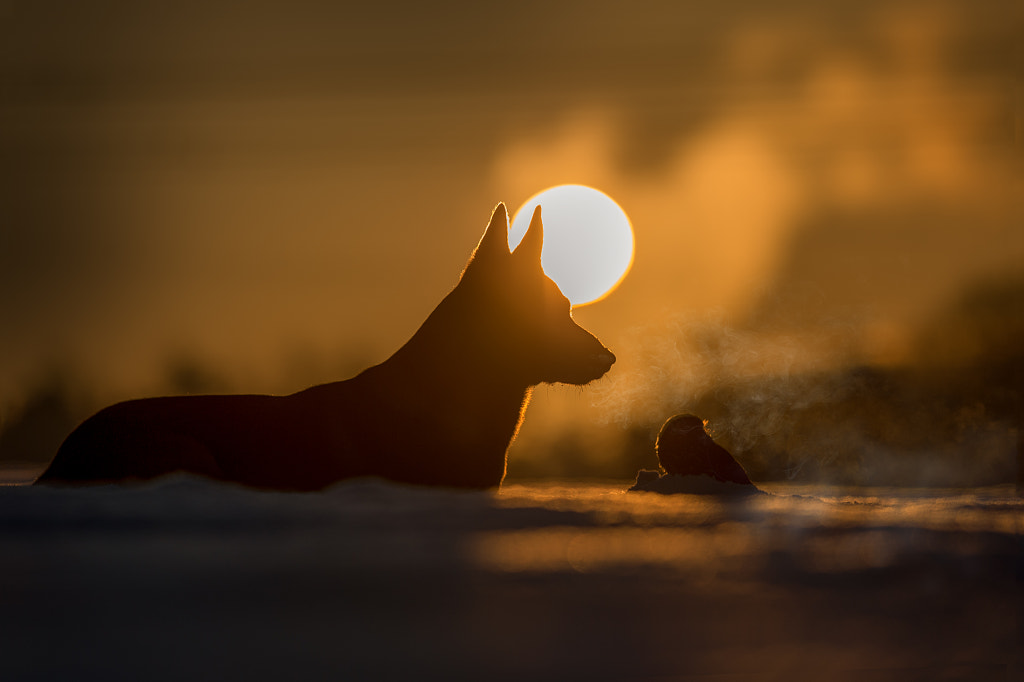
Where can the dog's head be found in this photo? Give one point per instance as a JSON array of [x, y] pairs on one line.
[[520, 313]]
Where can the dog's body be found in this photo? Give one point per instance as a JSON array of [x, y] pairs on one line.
[[440, 411]]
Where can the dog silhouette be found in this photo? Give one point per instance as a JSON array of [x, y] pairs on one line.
[[441, 411]]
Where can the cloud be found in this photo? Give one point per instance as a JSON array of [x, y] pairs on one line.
[[710, 226]]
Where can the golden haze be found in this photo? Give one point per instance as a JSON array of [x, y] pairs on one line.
[[280, 201]]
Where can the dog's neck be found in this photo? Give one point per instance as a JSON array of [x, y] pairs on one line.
[[448, 366], [451, 348]]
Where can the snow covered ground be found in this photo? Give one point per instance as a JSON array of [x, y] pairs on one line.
[[190, 579]]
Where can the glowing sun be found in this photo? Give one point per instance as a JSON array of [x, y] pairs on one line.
[[588, 241]]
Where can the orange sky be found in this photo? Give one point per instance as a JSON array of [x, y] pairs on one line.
[[282, 193]]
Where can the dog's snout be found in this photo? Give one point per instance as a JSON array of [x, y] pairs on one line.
[[605, 357]]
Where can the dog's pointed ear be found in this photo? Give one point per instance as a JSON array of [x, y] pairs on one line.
[[495, 239], [533, 241]]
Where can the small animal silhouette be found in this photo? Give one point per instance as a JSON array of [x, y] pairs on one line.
[[685, 449], [441, 411]]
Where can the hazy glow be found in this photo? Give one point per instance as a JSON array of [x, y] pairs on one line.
[[588, 241]]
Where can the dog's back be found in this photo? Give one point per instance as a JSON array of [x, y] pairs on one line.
[[441, 411]]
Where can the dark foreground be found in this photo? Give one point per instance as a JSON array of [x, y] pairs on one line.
[[187, 579]]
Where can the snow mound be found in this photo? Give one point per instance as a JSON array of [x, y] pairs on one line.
[[701, 484]]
